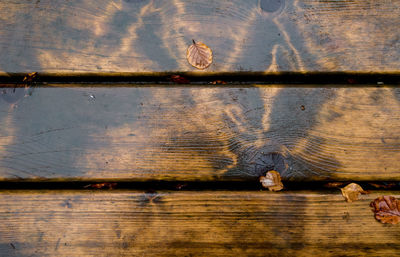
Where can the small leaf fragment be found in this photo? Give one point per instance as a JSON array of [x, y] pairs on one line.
[[180, 186], [272, 181], [199, 55], [384, 185], [386, 209], [102, 185], [179, 79], [333, 184], [352, 191], [30, 77], [218, 82]]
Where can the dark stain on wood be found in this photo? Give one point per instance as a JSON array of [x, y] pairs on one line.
[[271, 6], [13, 95], [150, 198], [57, 244], [67, 203]]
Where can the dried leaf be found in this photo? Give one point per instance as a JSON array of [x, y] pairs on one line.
[[30, 77], [218, 82], [386, 209], [102, 185], [13, 95], [352, 191], [272, 181], [383, 185], [199, 55], [179, 79], [333, 184], [180, 186]]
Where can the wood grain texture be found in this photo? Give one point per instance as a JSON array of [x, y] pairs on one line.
[[152, 36], [200, 133], [129, 223]]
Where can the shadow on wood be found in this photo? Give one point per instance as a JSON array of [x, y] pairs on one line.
[[201, 133], [152, 36]]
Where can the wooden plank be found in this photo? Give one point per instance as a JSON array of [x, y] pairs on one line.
[[152, 36], [200, 133], [126, 223]]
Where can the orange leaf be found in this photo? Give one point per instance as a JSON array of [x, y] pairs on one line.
[[352, 191], [30, 77], [386, 209], [272, 181], [199, 55]]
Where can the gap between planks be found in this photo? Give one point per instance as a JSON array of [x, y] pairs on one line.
[[231, 78], [151, 186]]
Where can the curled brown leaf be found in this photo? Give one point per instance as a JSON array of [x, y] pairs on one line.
[[199, 55], [272, 181], [352, 191], [386, 209]]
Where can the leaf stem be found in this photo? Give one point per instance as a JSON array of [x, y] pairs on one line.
[[193, 41]]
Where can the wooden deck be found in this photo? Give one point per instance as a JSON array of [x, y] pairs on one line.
[[207, 223], [201, 133], [105, 109], [152, 36]]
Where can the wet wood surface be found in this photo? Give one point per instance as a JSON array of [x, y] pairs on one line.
[[217, 223], [152, 36], [199, 133]]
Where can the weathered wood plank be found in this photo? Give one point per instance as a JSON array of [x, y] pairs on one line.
[[126, 223], [200, 133], [149, 36]]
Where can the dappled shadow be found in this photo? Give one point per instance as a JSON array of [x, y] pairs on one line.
[[229, 131], [148, 35]]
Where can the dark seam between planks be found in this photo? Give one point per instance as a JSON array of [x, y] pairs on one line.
[[231, 78], [152, 186]]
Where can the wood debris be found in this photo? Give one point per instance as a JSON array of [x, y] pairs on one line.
[[102, 185]]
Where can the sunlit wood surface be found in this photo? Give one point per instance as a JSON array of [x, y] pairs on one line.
[[200, 133], [209, 223], [152, 36]]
